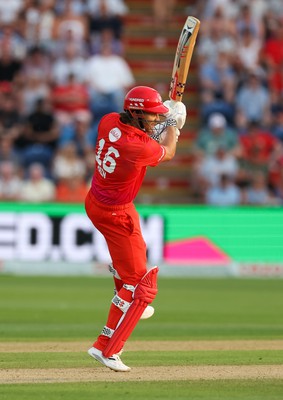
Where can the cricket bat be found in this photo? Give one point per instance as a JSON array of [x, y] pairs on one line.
[[183, 58]]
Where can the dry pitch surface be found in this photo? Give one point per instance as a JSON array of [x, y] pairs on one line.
[[100, 373]]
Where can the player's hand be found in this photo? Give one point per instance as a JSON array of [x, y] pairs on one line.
[[161, 137], [177, 111]]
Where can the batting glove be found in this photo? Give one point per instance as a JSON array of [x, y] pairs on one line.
[[160, 137], [177, 111]]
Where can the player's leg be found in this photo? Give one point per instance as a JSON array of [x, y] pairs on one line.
[[118, 284], [122, 232], [144, 293], [120, 304], [128, 252]]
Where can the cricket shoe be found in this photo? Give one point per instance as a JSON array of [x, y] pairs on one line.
[[114, 362], [148, 312]]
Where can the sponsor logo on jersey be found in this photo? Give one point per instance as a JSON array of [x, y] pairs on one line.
[[114, 135]]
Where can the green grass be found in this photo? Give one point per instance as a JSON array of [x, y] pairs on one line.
[[75, 308], [152, 358], [72, 308], [204, 390]]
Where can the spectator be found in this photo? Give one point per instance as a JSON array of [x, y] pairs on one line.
[[72, 190], [106, 14], [38, 19], [10, 66], [225, 193], [40, 136], [78, 7], [29, 18], [248, 50], [81, 132], [38, 63], [257, 193], [212, 103], [34, 89], [7, 151], [12, 42], [217, 135], [80, 47], [253, 100], [213, 166], [216, 35], [37, 188], [230, 8], [258, 8], [259, 149], [275, 80], [218, 75], [10, 183], [9, 10], [67, 163], [109, 77], [69, 100], [105, 37], [272, 53], [10, 117], [248, 20], [70, 20], [70, 62]]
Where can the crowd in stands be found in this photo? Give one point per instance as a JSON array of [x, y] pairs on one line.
[[62, 67], [239, 148]]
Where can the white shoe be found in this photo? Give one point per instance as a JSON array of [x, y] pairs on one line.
[[114, 362], [148, 312]]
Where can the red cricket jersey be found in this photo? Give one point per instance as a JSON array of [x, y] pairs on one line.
[[122, 154]]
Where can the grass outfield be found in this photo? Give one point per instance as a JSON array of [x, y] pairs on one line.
[[208, 390], [72, 310]]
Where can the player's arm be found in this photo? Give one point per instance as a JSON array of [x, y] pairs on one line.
[[169, 140]]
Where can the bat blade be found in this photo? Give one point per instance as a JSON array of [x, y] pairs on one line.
[[183, 58]]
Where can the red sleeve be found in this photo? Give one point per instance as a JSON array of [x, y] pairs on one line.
[[151, 154]]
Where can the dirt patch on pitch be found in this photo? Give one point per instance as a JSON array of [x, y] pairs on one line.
[[171, 373], [162, 373], [27, 347]]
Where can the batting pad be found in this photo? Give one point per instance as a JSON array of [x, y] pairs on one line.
[[144, 294]]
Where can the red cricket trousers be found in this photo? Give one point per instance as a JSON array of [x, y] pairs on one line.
[[120, 226]]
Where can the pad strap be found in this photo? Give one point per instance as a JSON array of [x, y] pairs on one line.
[[106, 331], [122, 304], [144, 294]]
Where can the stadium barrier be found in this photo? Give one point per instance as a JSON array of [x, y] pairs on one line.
[[183, 240]]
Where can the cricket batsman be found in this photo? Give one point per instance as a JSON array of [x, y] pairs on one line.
[[142, 136]]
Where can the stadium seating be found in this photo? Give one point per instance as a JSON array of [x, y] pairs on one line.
[[150, 53]]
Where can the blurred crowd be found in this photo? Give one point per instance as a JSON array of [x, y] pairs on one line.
[[239, 148], [62, 67]]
